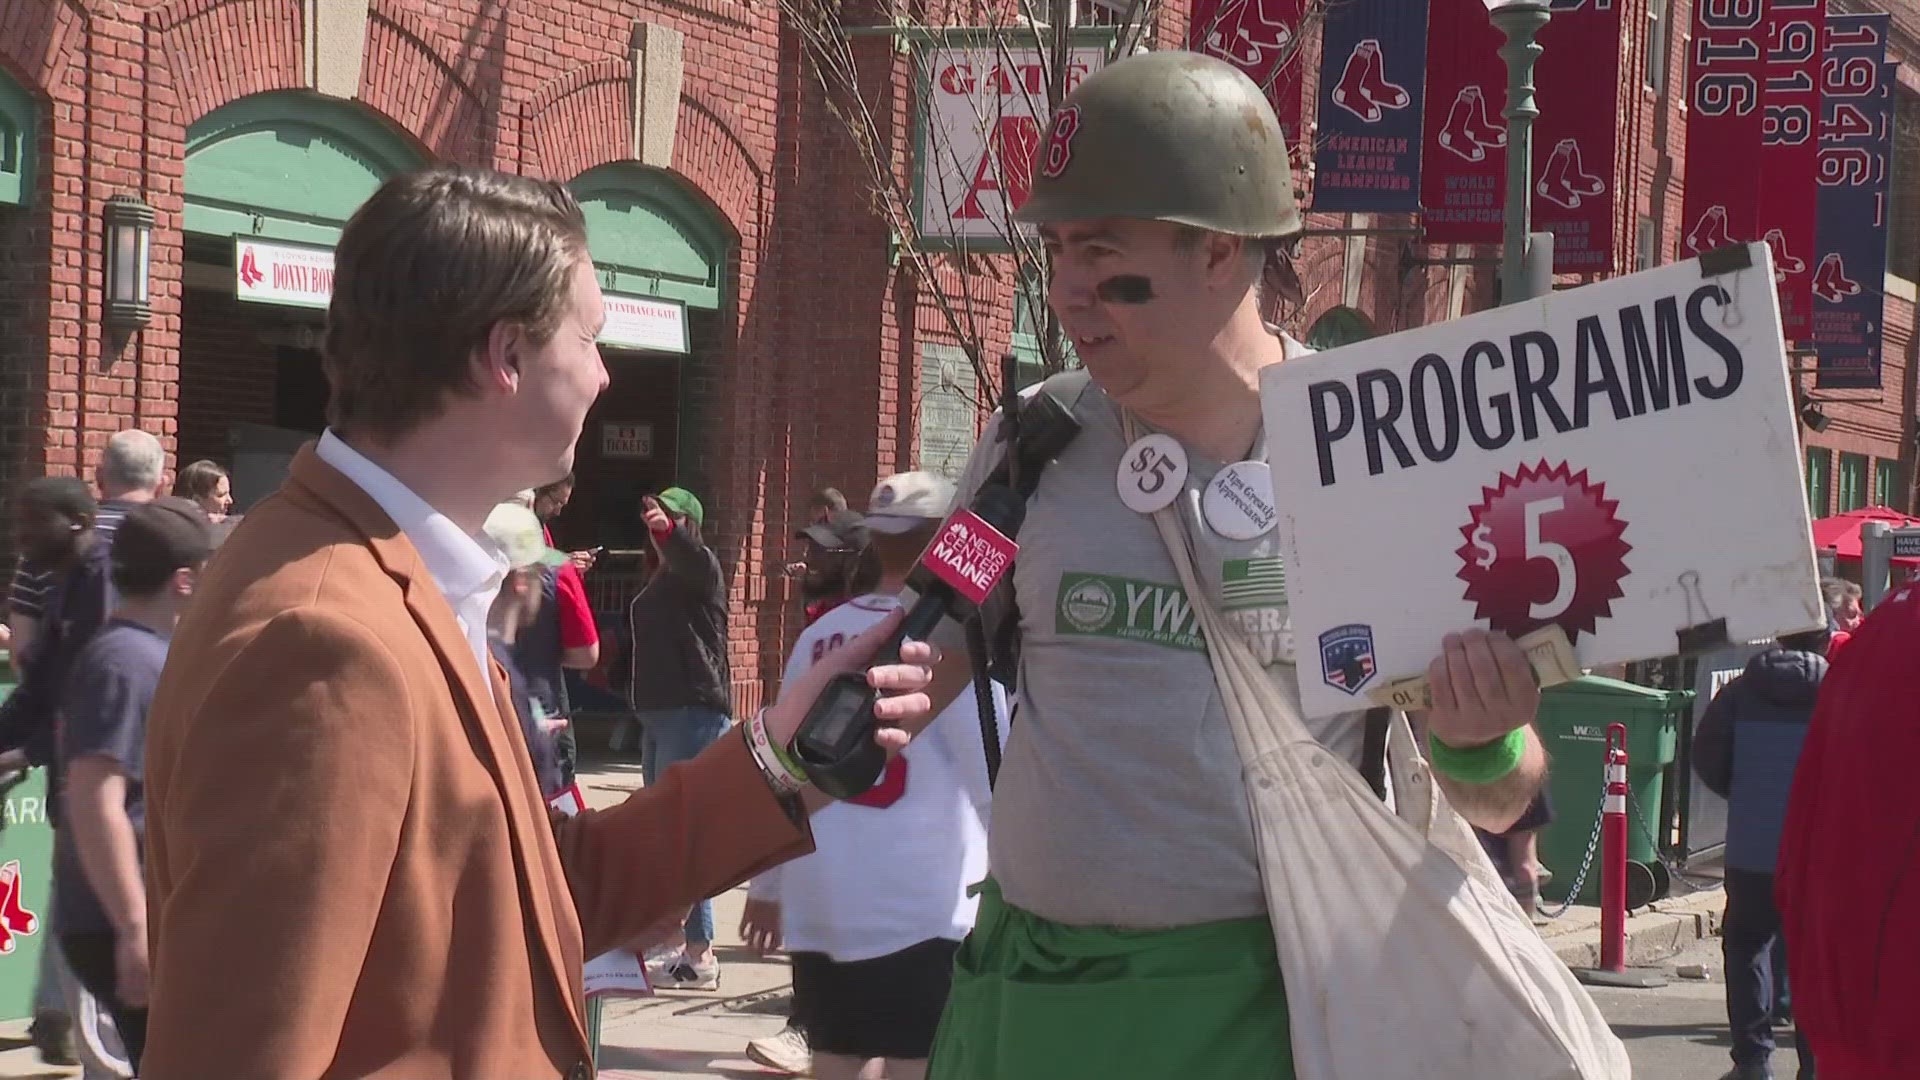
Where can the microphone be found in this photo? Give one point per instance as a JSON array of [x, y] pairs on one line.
[[957, 572]]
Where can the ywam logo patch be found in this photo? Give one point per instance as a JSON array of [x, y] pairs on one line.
[[1346, 657]]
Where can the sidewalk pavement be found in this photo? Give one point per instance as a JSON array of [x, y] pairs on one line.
[[704, 1034]]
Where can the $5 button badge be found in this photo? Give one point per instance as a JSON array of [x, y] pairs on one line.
[[1152, 472]]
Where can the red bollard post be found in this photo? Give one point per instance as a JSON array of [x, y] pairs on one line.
[[1613, 855], [1613, 970]]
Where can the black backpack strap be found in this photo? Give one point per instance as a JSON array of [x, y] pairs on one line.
[[1373, 751]]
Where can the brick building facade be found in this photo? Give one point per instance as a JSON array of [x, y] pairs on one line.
[[717, 181]]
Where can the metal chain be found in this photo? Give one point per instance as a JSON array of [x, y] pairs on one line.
[[1586, 864]]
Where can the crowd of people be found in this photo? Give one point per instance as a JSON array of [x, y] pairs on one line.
[[314, 770]]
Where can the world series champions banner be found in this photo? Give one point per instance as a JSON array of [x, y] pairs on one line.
[[1463, 170], [1544, 468], [1853, 170], [1373, 75], [1726, 69], [1575, 135], [1261, 38], [1789, 154]]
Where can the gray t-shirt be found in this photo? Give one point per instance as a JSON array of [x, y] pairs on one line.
[[105, 713], [1120, 800]]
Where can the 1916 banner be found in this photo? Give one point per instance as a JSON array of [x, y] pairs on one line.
[[1726, 73], [1262, 39], [1574, 138], [1789, 152], [1373, 75], [1463, 172], [1850, 252], [1544, 467]]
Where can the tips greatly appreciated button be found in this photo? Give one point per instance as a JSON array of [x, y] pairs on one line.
[[1239, 503], [1152, 472]]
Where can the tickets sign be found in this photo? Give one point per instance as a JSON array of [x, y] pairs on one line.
[[1544, 470]]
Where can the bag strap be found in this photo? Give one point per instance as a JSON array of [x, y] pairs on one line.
[[1373, 750]]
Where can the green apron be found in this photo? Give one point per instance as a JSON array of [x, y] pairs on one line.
[[1034, 999]]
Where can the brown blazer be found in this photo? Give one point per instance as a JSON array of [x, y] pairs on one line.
[[350, 871]]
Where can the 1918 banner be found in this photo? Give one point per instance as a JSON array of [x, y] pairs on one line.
[[1373, 77], [1789, 152], [1545, 467], [1853, 167]]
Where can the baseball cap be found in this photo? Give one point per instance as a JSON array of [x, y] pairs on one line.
[[680, 501], [843, 530], [908, 501], [517, 533], [156, 538]]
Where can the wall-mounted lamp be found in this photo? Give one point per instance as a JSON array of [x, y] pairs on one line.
[[129, 245], [1812, 416]]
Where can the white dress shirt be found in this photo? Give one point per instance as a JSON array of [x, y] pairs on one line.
[[468, 570]]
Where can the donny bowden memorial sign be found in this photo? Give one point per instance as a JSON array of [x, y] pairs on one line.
[[1618, 463]]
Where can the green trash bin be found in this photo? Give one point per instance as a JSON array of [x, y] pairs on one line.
[[1573, 723], [26, 848]]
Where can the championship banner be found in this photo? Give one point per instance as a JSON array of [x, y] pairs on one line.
[[982, 106], [1543, 470], [1578, 89], [1789, 154], [1853, 167], [1726, 69], [1373, 74], [1463, 171], [1261, 38]]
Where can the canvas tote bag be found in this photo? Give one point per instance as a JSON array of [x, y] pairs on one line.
[[1404, 954]]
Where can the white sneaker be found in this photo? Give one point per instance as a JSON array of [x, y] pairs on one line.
[[784, 1052], [679, 973]]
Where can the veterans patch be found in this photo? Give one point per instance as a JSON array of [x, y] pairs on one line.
[[1346, 657]]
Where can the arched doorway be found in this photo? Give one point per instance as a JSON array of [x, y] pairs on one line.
[[1339, 326], [270, 181], [662, 254]]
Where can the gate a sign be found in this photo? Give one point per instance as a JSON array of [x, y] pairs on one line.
[[983, 106]]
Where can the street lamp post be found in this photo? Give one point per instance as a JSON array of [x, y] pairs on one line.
[[1520, 21]]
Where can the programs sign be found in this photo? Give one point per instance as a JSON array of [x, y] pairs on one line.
[[1618, 462]]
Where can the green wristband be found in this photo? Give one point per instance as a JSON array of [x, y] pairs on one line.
[[1482, 764], [788, 761]]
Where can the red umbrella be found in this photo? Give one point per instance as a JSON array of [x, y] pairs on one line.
[[1841, 532]]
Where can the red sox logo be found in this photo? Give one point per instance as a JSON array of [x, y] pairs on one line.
[[1060, 142]]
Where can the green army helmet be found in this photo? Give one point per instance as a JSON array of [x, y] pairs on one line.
[[1166, 136]]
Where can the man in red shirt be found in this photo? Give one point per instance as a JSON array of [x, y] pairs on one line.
[[579, 634]]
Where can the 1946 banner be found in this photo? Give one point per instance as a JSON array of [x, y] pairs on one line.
[[1850, 256], [1373, 78], [983, 106], [1544, 465]]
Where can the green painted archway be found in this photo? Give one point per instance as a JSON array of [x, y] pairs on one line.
[[288, 165], [652, 236], [1339, 326], [18, 135]]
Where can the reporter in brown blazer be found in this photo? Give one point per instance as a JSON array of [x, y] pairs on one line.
[[350, 870]]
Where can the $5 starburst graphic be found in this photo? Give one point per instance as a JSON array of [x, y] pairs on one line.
[[1544, 547]]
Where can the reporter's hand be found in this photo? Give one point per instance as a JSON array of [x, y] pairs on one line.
[[760, 926], [902, 710]]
